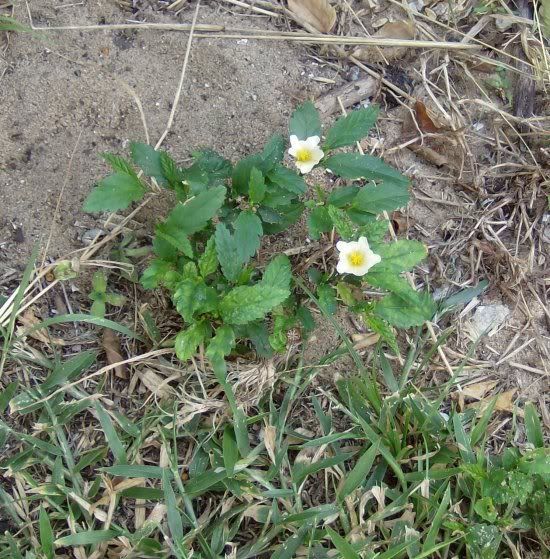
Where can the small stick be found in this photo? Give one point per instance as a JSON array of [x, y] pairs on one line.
[[252, 8]]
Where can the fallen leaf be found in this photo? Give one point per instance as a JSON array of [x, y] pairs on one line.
[[440, 148], [28, 320], [154, 383], [479, 389], [362, 341], [504, 403], [350, 94], [318, 14], [270, 439], [391, 30], [111, 345]]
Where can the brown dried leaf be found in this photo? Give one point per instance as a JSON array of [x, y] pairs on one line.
[[504, 403], [479, 389], [153, 383], [391, 30], [318, 14], [111, 345], [362, 341], [28, 320]]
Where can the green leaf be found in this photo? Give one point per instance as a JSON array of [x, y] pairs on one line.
[[374, 231], [156, 272], [274, 150], [318, 221], [175, 236], [287, 180], [116, 446], [193, 295], [399, 256], [404, 313], [246, 304], [173, 514], [278, 273], [256, 188], [241, 173], [437, 520], [342, 196], [462, 440], [134, 471], [187, 341], [228, 252], [222, 343], [360, 472], [344, 548], [149, 160], [92, 537], [230, 450], [327, 298], [533, 427], [536, 462], [208, 262], [196, 212], [113, 193], [486, 509], [119, 164], [305, 121], [288, 549], [68, 370], [483, 541], [387, 196], [171, 171], [248, 231], [341, 222], [46, 534], [358, 166], [99, 281], [383, 329], [351, 128]]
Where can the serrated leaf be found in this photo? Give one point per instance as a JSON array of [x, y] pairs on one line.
[[195, 213], [399, 256], [216, 166], [305, 121], [318, 221], [287, 180], [248, 232], [351, 128], [119, 164], [341, 221], [241, 173], [257, 188], [358, 166], [375, 231], [193, 296], [113, 193], [208, 262], [404, 313], [342, 196], [173, 174], [175, 236], [156, 272], [278, 273], [149, 160], [246, 304], [187, 341], [327, 298], [274, 151], [386, 197], [227, 251], [222, 343]]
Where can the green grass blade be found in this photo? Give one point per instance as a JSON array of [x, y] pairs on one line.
[[116, 446], [230, 450], [46, 534], [462, 440], [174, 517], [7, 394], [133, 471], [288, 549], [343, 546], [443, 507], [480, 429], [533, 427], [91, 537], [360, 471]]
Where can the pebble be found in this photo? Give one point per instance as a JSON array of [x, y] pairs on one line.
[[89, 235]]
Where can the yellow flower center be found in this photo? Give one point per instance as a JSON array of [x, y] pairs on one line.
[[303, 154], [356, 258]]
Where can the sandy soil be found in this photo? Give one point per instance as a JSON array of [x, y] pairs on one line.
[[64, 101]]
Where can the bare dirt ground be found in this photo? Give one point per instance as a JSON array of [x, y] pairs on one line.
[[67, 96]]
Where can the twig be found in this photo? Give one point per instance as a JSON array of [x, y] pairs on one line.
[[252, 8], [182, 77]]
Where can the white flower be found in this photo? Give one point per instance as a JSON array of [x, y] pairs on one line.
[[306, 153], [356, 257]]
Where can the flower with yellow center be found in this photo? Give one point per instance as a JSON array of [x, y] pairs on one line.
[[306, 153], [356, 257]]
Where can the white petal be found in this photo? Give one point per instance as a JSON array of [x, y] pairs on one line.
[[317, 154], [375, 259], [342, 246], [293, 150], [294, 142], [364, 243], [312, 142], [305, 166], [342, 267]]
